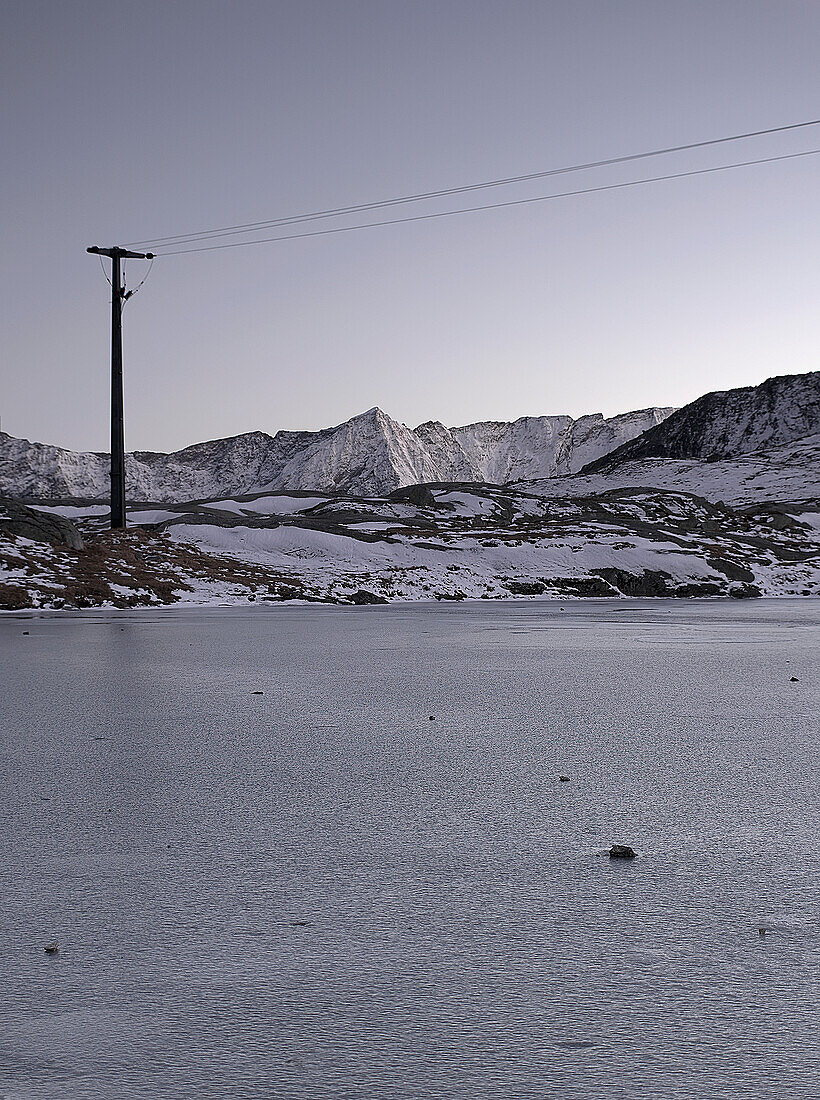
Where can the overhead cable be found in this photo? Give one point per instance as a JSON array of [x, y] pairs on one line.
[[492, 206], [251, 227]]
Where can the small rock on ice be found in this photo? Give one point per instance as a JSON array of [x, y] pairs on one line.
[[622, 851]]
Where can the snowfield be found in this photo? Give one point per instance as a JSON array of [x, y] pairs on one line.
[[786, 473], [495, 544], [562, 538]]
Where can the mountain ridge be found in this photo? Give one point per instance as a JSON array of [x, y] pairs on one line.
[[728, 423], [368, 454], [372, 454]]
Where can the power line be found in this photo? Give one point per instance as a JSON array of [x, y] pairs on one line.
[[250, 227], [494, 205]]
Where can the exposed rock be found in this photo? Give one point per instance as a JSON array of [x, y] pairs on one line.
[[525, 588], [594, 587], [285, 592], [365, 597], [622, 851], [30, 523], [728, 423], [655, 582], [730, 569], [744, 591], [420, 495], [52, 948]]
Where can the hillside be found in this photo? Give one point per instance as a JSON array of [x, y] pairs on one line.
[[729, 423]]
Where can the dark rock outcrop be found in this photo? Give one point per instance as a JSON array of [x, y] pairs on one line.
[[525, 588], [729, 423], [364, 597], [420, 495], [29, 523]]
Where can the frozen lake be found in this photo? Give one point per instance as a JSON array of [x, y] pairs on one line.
[[317, 892]]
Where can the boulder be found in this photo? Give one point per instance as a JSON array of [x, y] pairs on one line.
[[29, 523], [622, 851], [364, 597], [419, 495]]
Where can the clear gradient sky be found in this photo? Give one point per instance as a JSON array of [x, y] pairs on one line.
[[124, 121]]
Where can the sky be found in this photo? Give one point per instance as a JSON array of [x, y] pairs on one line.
[[123, 122]]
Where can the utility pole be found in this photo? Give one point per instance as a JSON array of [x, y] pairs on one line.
[[118, 296]]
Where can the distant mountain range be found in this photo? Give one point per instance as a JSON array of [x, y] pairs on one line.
[[372, 454]]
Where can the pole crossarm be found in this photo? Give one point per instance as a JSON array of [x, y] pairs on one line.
[[123, 253]]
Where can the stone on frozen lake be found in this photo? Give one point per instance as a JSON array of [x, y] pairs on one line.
[[622, 851]]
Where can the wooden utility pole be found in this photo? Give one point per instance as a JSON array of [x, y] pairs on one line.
[[118, 296]]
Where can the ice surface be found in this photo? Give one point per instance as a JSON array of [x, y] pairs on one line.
[[317, 892]]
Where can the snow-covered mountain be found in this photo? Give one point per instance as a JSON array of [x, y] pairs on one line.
[[531, 447], [37, 470], [730, 423], [556, 537], [369, 454], [372, 454]]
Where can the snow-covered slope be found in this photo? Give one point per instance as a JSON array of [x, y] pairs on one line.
[[38, 471], [460, 541], [369, 454], [496, 452], [779, 475], [730, 423]]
